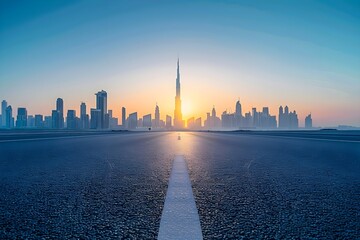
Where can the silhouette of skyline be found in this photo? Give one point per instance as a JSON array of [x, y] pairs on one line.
[[266, 54], [178, 117], [102, 118]]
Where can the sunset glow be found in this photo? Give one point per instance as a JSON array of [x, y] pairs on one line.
[[130, 50]]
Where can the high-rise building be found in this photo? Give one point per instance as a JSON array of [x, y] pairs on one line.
[[228, 120], [3, 113], [213, 112], [157, 117], [107, 121], [238, 115], [266, 120], [84, 117], [123, 117], [140, 123], [30, 121], [48, 122], [191, 123], [293, 120], [238, 110], [60, 109], [308, 121], [9, 120], [147, 121], [281, 117], [21, 119], [101, 104], [113, 122], [95, 120], [266, 111], [39, 123], [212, 121], [133, 121], [55, 122], [286, 110], [71, 119], [198, 124], [168, 123], [255, 118], [247, 123], [162, 123], [82, 109], [288, 119], [178, 121]]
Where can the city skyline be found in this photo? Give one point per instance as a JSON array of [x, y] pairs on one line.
[[248, 51], [101, 117]]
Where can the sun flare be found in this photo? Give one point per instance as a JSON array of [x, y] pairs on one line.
[[186, 109]]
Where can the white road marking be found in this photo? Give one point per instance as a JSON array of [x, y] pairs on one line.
[[180, 218]]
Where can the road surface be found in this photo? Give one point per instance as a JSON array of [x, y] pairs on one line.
[[244, 185]]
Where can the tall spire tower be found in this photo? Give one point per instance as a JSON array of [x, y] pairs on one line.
[[178, 122]]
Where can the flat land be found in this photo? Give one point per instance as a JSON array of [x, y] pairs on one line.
[[246, 184]]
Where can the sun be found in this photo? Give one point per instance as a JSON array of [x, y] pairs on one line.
[[186, 108]]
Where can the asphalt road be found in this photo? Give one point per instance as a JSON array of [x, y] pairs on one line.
[[245, 186]]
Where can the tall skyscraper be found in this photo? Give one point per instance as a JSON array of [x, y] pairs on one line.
[[266, 121], [21, 119], [255, 118], [39, 122], [55, 122], [48, 122], [198, 124], [95, 120], [212, 121], [288, 119], [84, 117], [101, 104], [293, 120], [308, 121], [281, 117], [178, 122], [191, 123], [60, 109], [82, 109], [3, 113], [147, 121], [71, 119], [9, 122], [238, 115], [168, 123], [30, 121], [238, 110], [123, 117], [113, 122], [133, 121], [157, 117]]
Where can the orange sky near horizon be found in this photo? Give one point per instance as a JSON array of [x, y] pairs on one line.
[[201, 89]]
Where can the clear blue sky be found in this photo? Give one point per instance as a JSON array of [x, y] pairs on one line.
[[305, 54]]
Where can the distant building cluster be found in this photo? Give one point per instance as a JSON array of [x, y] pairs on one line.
[[102, 118]]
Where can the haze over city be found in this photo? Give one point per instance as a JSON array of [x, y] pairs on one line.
[[178, 119], [263, 54]]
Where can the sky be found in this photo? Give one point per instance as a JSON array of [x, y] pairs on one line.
[[304, 54]]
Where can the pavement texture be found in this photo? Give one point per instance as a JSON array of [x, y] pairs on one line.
[[111, 186]]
